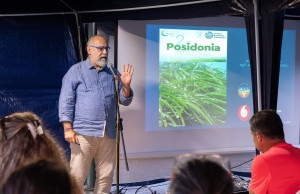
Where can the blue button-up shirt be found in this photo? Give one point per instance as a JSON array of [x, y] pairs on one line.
[[87, 100]]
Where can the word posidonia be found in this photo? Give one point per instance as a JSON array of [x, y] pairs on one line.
[[194, 47]]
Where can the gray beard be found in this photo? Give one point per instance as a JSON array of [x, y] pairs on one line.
[[100, 63]]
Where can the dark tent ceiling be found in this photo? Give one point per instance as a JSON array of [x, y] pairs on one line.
[[93, 10]]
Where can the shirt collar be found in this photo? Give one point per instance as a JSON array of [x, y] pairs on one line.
[[89, 65]]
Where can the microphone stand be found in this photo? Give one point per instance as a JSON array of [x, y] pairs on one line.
[[119, 131]]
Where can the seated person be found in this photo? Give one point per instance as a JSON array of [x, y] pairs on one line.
[[23, 138], [42, 176], [201, 175], [277, 169]]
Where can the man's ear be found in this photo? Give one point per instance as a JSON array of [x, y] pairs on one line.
[[88, 49], [259, 137]]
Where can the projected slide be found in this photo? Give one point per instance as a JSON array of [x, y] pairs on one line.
[[168, 115], [192, 77], [200, 77]]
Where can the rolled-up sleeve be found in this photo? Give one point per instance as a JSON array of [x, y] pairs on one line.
[[67, 96], [123, 100]]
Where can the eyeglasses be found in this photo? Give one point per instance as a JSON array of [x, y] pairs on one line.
[[101, 48]]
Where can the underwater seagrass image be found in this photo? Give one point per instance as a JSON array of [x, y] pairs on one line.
[[191, 93]]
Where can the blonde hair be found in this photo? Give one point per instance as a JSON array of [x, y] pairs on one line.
[[18, 145]]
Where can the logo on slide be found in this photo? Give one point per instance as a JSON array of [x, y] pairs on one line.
[[244, 90], [209, 35], [244, 113], [166, 33]]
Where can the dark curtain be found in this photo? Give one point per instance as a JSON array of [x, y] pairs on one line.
[[35, 53], [270, 36], [271, 22]]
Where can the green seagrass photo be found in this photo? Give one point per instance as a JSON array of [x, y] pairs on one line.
[[191, 93]]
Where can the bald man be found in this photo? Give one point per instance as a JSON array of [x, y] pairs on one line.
[[87, 110]]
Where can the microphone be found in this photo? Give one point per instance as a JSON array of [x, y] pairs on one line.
[[110, 66]]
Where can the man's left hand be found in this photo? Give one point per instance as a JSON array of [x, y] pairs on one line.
[[126, 76], [125, 79]]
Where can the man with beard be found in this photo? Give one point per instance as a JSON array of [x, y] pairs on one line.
[[87, 110]]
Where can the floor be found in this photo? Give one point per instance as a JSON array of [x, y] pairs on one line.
[[159, 188], [240, 186], [151, 176]]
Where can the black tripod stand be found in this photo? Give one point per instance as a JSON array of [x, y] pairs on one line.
[[119, 127]]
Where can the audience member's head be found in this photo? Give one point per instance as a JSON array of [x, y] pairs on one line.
[[38, 177], [23, 138], [266, 129], [267, 123], [201, 175]]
